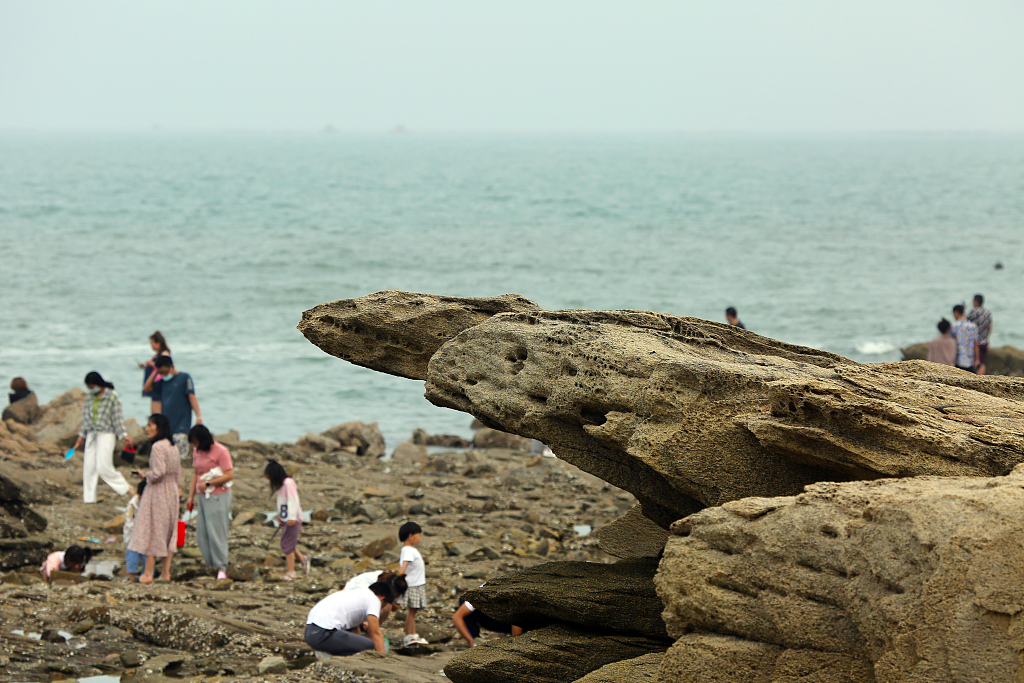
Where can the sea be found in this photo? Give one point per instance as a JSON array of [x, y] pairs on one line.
[[852, 243]]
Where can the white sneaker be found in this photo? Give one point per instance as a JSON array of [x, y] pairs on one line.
[[413, 639]]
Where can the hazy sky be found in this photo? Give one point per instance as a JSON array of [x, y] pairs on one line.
[[548, 65]]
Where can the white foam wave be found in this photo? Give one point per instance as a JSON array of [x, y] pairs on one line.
[[875, 348]]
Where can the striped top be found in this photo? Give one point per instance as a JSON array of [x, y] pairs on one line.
[[103, 414]]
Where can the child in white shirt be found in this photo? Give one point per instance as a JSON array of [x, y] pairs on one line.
[[415, 572]]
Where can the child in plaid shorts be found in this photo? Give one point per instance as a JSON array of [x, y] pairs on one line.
[[415, 572]]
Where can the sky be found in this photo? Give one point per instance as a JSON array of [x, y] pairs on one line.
[[451, 65]]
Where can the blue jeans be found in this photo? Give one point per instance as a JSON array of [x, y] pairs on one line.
[[134, 562]]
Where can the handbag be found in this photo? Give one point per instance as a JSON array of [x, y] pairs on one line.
[[128, 452]]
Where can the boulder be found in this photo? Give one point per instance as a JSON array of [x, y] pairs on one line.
[[231, 438], [1005, 360], [379, 547], [643, 668], [610, 598], [420, 437], [397, 332], [17, 519], [408, 451], [26, 411], [318, 442], [889, 580], [555, 654], [366, 439], [493, 438], [62, 417], [632, 535], [272, 665]]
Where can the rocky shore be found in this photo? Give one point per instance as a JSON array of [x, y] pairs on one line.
[[487, 510]]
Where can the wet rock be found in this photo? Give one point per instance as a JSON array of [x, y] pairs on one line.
[[549, 655], [222, 585], [83, 627], [618, 597], [131, 659], [241, 572], [51, 636], [365, 439], [379, 547]]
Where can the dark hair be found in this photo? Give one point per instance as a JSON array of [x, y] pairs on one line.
[[959, 308], [274, 471], [407, 530], [96, 379], [76, 554], [160, 342], [201, 437], [397, 583], [140, 488], [163, 362], [979, 299], [731, 312], [163, 426], [18, 383], [384, 590], [944, 326]]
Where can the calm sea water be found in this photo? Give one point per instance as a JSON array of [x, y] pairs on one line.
[[854, 244]]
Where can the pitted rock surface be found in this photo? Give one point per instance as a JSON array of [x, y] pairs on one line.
[[890, 580]]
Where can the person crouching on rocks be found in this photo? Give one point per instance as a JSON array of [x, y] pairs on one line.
[[333, 625], [468, 621], [290, 516], [102, 424], [73, 559], [367, 579], [210, 491]]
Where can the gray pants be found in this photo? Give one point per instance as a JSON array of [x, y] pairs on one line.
[[212, 524], [335, 641]]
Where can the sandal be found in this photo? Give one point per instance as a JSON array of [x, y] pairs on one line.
[[290, 576]]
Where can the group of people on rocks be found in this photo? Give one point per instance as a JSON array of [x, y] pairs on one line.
[[964, 342], [343, 623]]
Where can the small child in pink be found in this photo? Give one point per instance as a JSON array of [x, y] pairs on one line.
[[290, 514], [73, 559]]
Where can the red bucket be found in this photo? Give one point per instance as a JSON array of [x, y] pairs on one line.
[[181, 534]]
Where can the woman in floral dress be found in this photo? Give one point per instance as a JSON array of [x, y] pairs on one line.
[[156, 522]]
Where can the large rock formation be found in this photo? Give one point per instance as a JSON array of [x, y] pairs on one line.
[[895, 580], [681, 412]]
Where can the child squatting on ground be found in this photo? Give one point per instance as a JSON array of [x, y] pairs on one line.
[[133, 562], [73, 560], [290, 513], [415, 572]]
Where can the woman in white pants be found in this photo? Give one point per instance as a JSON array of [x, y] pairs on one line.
[[102, 424]]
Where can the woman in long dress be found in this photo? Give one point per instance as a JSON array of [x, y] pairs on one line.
[[156, 522]]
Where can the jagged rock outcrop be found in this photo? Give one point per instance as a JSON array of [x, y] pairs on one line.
[[632, 535], [1004, 360], [636, 670], [17, 519], [681, 412], [555, 654], [891, 580], [620, 597], [397, 332]]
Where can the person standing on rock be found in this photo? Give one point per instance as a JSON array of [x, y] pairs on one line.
[[415, 572], [102, 425], [210, 492], [177, 401], [966, 334], [942, 349], [982, 318], [159, 345], [289, 512], [155, 533], [331, 623]]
